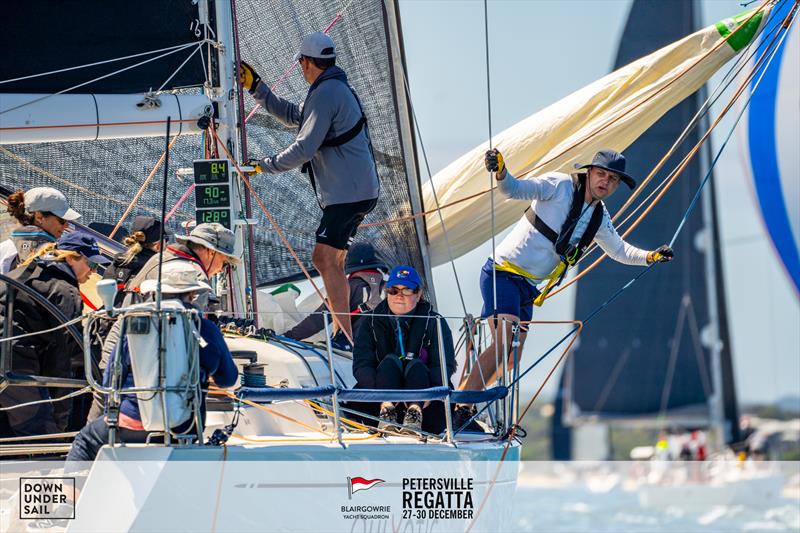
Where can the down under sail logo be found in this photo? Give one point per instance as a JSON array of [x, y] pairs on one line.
[[355, 484]]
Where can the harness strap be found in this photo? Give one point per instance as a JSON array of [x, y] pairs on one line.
[[339, 140], [549, 233], [347, 136]]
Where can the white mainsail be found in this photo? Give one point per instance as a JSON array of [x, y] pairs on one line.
[[609, 113]]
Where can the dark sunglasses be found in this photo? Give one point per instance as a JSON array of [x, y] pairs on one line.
[[405, 291], [93, 265]]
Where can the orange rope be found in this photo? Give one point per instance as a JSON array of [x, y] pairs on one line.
[[550, 374], [514, 429], [268, 410], [679, 169], [142, 188], [280, 233]]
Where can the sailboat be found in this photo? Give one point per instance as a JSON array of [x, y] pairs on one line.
[[281, 448], [285, 430]]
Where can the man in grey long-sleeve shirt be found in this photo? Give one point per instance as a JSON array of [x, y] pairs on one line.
[[333, 147]]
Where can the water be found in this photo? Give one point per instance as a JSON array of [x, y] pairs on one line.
[[607, 501]]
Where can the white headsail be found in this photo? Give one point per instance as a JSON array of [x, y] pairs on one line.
[[609, 113]]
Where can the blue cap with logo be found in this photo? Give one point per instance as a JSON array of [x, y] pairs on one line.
[[84, 245], [404, 275]]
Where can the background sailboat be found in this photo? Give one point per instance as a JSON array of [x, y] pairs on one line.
[[652, 363]]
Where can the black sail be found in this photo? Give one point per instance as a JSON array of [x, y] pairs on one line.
[[644, 357], [48, 35]]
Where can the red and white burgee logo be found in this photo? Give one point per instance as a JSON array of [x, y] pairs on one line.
[[355, 484]]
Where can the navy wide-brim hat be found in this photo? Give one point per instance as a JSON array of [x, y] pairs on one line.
[[613, 162]]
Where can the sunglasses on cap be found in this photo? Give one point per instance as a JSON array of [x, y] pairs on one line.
[[405, 291]]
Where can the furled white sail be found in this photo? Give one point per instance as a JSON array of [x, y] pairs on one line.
[[609, 113]]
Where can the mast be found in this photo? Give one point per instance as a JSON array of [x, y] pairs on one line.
[[712, 338], [224, 95], [722, 403]]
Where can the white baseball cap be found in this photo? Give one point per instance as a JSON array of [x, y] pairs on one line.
[[50, 200], [316, 44]]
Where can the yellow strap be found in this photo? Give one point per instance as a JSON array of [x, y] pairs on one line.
[[507, 266], [553, 278]]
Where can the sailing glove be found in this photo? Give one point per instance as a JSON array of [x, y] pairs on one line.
[[248, 77], [494, 163], [256, 164], [663, 254]]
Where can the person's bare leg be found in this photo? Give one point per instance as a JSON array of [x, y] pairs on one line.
[[485, 369], [329, 262]]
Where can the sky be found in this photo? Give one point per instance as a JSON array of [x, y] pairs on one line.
[[540, 51]]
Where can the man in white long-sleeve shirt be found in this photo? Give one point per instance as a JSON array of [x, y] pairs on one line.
[[565, 216]]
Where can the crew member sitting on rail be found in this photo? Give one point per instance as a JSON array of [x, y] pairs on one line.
[[397, 347], [333, 147], [179, 282], [55, 272], [566, 215], [364, 270], [43, 213]]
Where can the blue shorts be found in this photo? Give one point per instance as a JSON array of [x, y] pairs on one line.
[[515, 294]]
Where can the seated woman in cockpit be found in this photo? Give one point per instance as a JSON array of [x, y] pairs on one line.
[[397, 347]]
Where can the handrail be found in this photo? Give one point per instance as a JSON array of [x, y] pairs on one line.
[[394, 395], [269, 394]]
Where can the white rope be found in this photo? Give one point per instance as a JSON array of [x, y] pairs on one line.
[[179, 68], [45, 97], [64, 325], [50, 400], [176, 47]]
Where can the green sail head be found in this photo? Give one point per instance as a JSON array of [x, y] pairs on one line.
[[742, 37]]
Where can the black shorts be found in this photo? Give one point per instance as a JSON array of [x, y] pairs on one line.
[[340, 222]]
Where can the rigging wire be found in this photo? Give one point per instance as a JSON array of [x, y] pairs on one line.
[[728, 79], [684, 163], [41, 332], [175, 48], [104, 76], [191, 54], [496, 337], [786, 25], [49, 400]]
